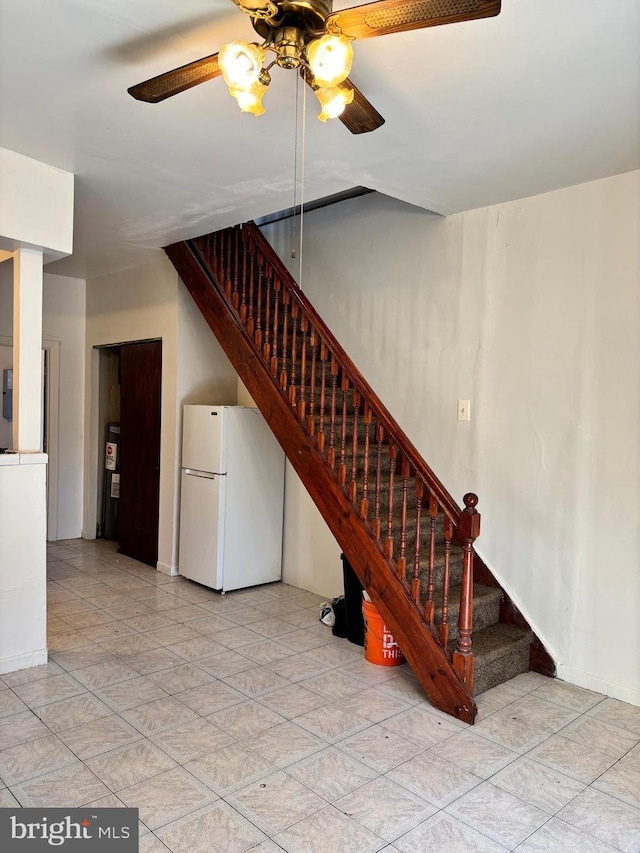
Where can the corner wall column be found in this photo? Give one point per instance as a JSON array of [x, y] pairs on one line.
[[27, 350]]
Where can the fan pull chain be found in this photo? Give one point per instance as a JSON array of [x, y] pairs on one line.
[[302, 176], [295, 168]]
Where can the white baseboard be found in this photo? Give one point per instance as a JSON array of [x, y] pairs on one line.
[[24, 661], [623, 692], [87, 536], [172, 571]]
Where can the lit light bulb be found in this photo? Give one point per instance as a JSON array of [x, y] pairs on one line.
[[241, 63], [249, 99], [333, 101], [330, 59]]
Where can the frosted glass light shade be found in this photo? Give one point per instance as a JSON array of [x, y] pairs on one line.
[[333, 101], [330, 59], [250, 99], [241, 63]]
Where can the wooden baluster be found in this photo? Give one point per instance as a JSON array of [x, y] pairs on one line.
[[353, 486], [266, 350], [393, 455], [286, 298], [364, 503], [469, 530], [415, 582], [342, 467], [258, 335], [225, 281], [444, 625], [235, 296], [213, 260], [252, 266], [331, 453], [377, 524], [323, 391], [274, 339], [216, 255], [402, 559], [429, 604], [219, 264], [243, 284], [313, 340], [230, 235], [302, 402], [293, 391]]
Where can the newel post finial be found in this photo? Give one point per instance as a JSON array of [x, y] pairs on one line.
[[470, 518]]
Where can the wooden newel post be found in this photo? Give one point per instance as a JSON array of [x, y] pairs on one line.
[[469, 530]]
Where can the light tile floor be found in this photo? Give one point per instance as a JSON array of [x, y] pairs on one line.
[[239, 723]]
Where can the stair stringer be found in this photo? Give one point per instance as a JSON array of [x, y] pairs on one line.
[[418, 641]]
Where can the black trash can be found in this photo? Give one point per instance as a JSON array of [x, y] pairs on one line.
[[353, 604]]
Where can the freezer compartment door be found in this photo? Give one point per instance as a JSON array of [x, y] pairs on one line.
[[203, 438], [201, 527]]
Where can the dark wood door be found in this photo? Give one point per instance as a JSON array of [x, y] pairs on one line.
[[140, 394]]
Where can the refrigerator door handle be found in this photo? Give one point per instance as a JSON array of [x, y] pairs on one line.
[[191, 472]]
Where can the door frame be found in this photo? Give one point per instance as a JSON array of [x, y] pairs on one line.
[[51, 389], [94, 444]]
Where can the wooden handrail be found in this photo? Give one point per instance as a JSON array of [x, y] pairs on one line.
[[400, 439]]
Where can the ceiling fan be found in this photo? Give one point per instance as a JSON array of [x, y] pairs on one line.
[[307, 35]]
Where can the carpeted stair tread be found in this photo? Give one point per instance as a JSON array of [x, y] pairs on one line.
[[501, 652]]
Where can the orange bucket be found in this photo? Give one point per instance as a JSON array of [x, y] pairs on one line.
[[379, 645]]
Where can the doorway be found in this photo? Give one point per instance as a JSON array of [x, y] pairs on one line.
[[129, 456]]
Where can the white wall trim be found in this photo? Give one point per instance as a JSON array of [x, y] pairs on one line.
[[24, 661], [172, 571], [595, 682], [53, 428]]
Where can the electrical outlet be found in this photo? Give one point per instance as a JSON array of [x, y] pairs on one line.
[[464, 410]]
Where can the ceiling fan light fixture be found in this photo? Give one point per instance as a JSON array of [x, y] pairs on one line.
[[330, 59], [241, 64], [249, 99], [333, 100]]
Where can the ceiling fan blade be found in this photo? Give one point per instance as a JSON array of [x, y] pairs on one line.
[[172, 82], [396, 16], [359, 116]]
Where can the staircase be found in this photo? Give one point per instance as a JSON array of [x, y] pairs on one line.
[[409, 542]]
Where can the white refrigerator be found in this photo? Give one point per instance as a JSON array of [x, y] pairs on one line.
[[232, 502]]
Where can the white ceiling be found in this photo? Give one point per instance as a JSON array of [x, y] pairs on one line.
[[543, 96]]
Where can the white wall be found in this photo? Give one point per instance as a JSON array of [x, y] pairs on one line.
[[532, 310], [142, 303], [36, 205]]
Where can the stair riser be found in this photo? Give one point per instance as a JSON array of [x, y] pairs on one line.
[[486, 612], [490, 674]]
